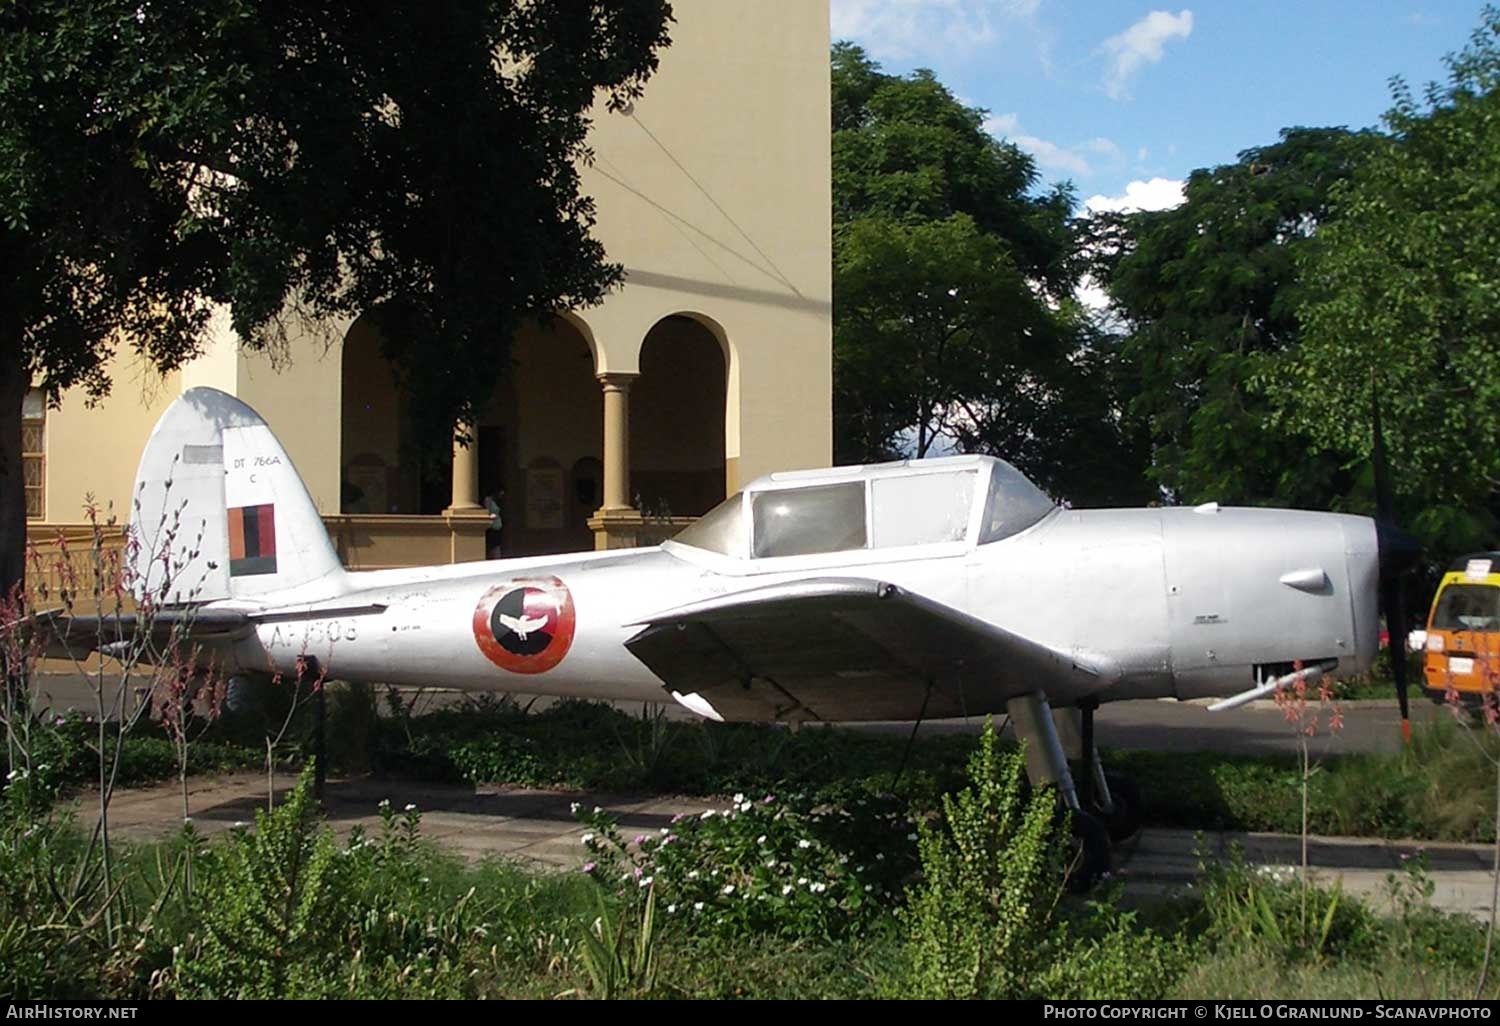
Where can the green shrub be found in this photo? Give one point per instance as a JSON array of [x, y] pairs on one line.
[[784, 866], [992, 877]]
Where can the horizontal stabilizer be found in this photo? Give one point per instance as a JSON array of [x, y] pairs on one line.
[[833, 649], [76, 637]]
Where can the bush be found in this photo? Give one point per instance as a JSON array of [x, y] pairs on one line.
[[992, 876], [789, 867]]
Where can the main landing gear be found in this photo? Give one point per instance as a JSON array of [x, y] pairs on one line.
[[1106, 809]]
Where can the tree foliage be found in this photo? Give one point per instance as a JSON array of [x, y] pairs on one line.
[[954, 316], [296, 160], [1402, 294], [1208, 294]]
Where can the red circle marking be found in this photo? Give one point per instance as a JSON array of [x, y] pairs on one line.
[[544, 606]]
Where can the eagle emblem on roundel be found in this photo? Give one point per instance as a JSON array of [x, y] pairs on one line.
[[526, 626]]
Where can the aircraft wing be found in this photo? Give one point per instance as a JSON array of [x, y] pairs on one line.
[[833, 649]]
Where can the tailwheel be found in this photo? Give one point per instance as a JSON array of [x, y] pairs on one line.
[[1090, 851]]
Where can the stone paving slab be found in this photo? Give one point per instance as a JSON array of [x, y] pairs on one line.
[[538, 827]]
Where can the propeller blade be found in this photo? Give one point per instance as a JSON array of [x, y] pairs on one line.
[[1399, 551]]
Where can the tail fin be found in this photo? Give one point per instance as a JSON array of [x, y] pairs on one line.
[[219, 511]]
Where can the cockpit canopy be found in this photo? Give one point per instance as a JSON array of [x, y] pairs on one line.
[[928, 502]]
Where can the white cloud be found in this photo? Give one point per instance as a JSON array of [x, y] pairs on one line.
[[1157, 194], [1050, 156], [1141, 44], [1001, 125], [905, 29]]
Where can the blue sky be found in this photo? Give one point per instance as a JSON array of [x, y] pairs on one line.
[[1126, 98]]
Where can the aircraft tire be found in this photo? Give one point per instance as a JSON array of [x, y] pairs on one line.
[[1090, 861], [1125, 821]]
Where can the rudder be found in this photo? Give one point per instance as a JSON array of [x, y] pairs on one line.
[[219, 511]]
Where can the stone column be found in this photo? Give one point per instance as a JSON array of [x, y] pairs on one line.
[[466, 474], [616, 442]]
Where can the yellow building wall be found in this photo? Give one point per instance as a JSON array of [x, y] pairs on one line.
[[97, 449], [713, 192]]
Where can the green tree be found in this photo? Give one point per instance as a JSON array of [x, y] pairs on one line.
[[1402, 293], [954, 316], [1207, 293], [292, 161]]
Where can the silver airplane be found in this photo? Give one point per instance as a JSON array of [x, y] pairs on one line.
[[925, 589]]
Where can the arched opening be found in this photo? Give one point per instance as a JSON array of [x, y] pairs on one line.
[[381, 470], [677, 420], [541, 442]]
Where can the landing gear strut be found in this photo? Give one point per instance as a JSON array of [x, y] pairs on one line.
[[1047, 764], [1114, 797]]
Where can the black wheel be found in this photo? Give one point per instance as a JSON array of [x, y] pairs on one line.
[[1090, 855], [1125, 820]]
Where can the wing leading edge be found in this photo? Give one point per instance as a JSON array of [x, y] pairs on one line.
[[842, 649]]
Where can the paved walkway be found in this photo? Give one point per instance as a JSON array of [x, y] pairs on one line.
[[538, 826]]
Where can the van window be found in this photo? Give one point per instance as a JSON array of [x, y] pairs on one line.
[[1468, 607], [802, 521]]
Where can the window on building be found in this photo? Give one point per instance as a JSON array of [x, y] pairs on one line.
[[34, 453]]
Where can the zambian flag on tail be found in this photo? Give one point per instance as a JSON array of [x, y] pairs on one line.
[[252, 541]]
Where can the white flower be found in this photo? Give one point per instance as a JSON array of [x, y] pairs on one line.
[[693, 874], [879, 856], [409, 808], [645, 881], [843, 860], [574, 808], [729, 888], [586, 839], [671, 909], [697, 906], [738, 798], [786, 889], [707, 815], [664, 831], [818, 888], [598, 810], [761, 839], [869, 887], [802, 881], [804, 843], [744, 806], [770, 863]]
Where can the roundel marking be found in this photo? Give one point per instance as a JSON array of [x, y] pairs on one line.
[[526, 626]]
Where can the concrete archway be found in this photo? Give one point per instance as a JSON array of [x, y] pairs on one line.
[[677, 418], [380, 472], [541, 440]]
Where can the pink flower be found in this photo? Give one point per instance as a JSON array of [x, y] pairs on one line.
[[589, 867]]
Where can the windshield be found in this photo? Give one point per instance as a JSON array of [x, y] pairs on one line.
[[1014, 504], [721, 529], [1468, 607]]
